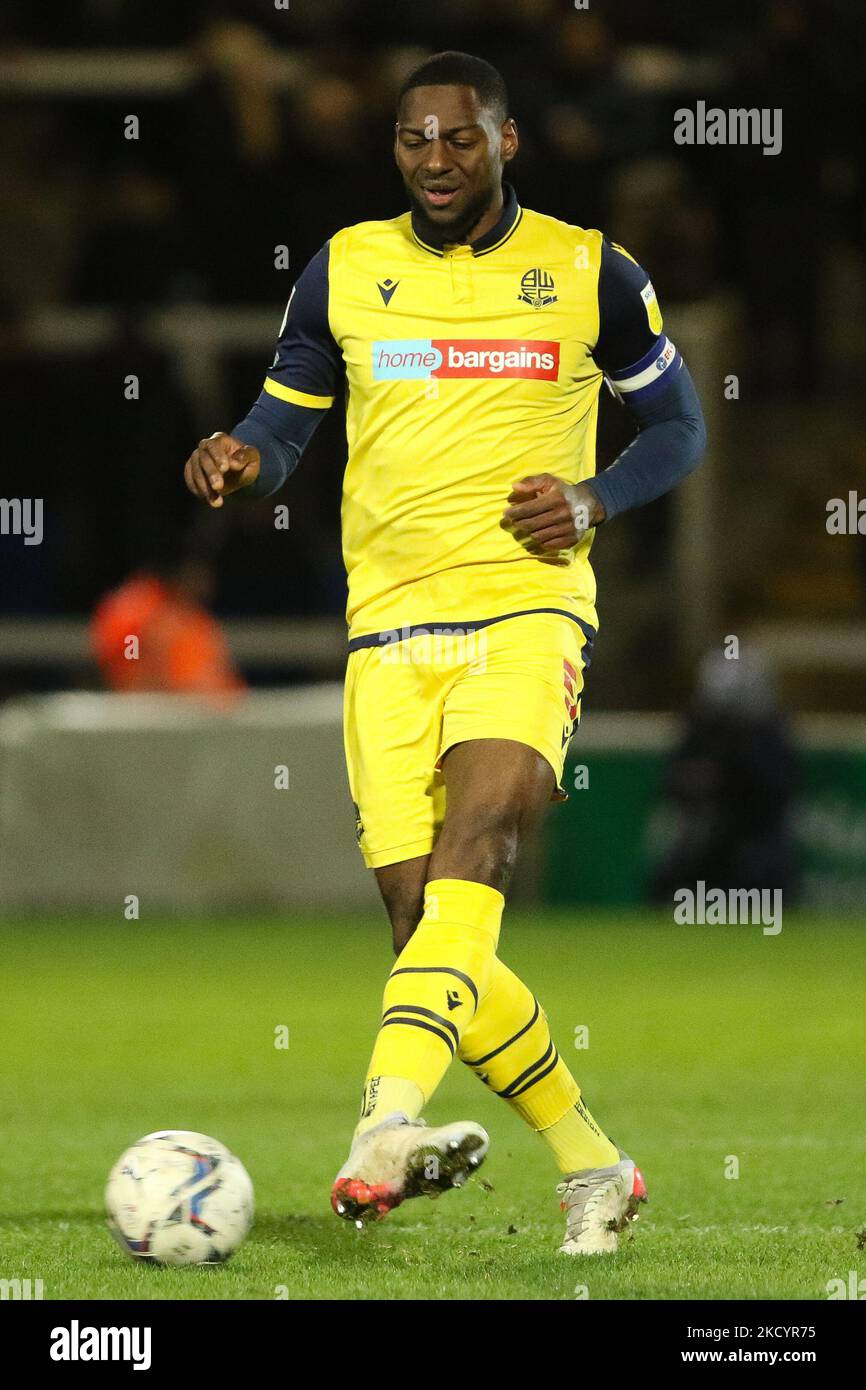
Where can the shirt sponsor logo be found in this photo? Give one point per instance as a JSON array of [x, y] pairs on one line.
[[419, 358]]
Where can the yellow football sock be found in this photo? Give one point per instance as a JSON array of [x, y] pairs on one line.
[[577, 1142], [509, 1047], [440, 976], [386, 1095]]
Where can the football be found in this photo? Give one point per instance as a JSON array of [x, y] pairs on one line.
[[179, 1198]]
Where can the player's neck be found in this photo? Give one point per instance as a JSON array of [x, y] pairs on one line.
[[489, 224], [488, 219]]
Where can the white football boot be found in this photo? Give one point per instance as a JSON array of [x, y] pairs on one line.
[[402, 1158], [598, 1204]]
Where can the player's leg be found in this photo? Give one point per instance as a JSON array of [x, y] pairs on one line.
[[508, 1044], [496, 790], [402, 889], [509, 1047], [443, 971], [531, 692], [393, 726], [441, 977]]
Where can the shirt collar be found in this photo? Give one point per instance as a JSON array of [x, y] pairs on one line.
[[507, 224]]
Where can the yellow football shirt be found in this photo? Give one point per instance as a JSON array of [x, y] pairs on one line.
[[465, 368]]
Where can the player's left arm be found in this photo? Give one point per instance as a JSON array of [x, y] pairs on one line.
[[648, 375]]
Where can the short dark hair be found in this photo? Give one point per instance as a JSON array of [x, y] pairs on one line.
[[461, 70]]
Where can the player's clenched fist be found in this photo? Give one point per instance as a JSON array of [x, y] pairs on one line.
[[220, 466], [547, 513]]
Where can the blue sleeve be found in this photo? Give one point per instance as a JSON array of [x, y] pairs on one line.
[[647, 374], [301, 385], [281, 432]]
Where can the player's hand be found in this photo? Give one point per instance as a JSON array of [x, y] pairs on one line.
[[220, 466], [547, 514]]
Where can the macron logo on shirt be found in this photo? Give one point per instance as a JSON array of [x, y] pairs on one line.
[[408, 359]]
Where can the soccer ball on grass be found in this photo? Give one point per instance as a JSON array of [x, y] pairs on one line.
[[179, 1198]]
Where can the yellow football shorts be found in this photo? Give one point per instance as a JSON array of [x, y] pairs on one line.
[[411, 697]]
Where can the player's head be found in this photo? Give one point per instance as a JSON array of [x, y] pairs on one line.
[[454, 136]]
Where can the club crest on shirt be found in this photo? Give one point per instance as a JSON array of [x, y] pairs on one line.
[[536, 289]]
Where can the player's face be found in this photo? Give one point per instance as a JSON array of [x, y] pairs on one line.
[[451, 152]]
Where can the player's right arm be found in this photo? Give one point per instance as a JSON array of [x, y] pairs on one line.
[[300, 388]]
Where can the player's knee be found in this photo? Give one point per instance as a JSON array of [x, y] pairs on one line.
[[486, 838]]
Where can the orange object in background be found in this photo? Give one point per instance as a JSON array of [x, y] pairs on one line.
[[178, 645]]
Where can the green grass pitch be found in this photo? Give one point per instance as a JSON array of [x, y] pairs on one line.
[[704, 1042]]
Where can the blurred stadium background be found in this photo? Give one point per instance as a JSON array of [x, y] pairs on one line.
[[154, 258]]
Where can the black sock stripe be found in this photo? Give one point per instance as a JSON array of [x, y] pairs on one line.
[[513, 1085], [427, 1013], [416, 1023], [496, 1051], [532, 1080], [437, 970]]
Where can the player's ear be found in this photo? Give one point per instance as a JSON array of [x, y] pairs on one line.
[[510, 140]]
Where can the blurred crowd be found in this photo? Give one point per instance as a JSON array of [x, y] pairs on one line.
[[280, 128], [274, 128]]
